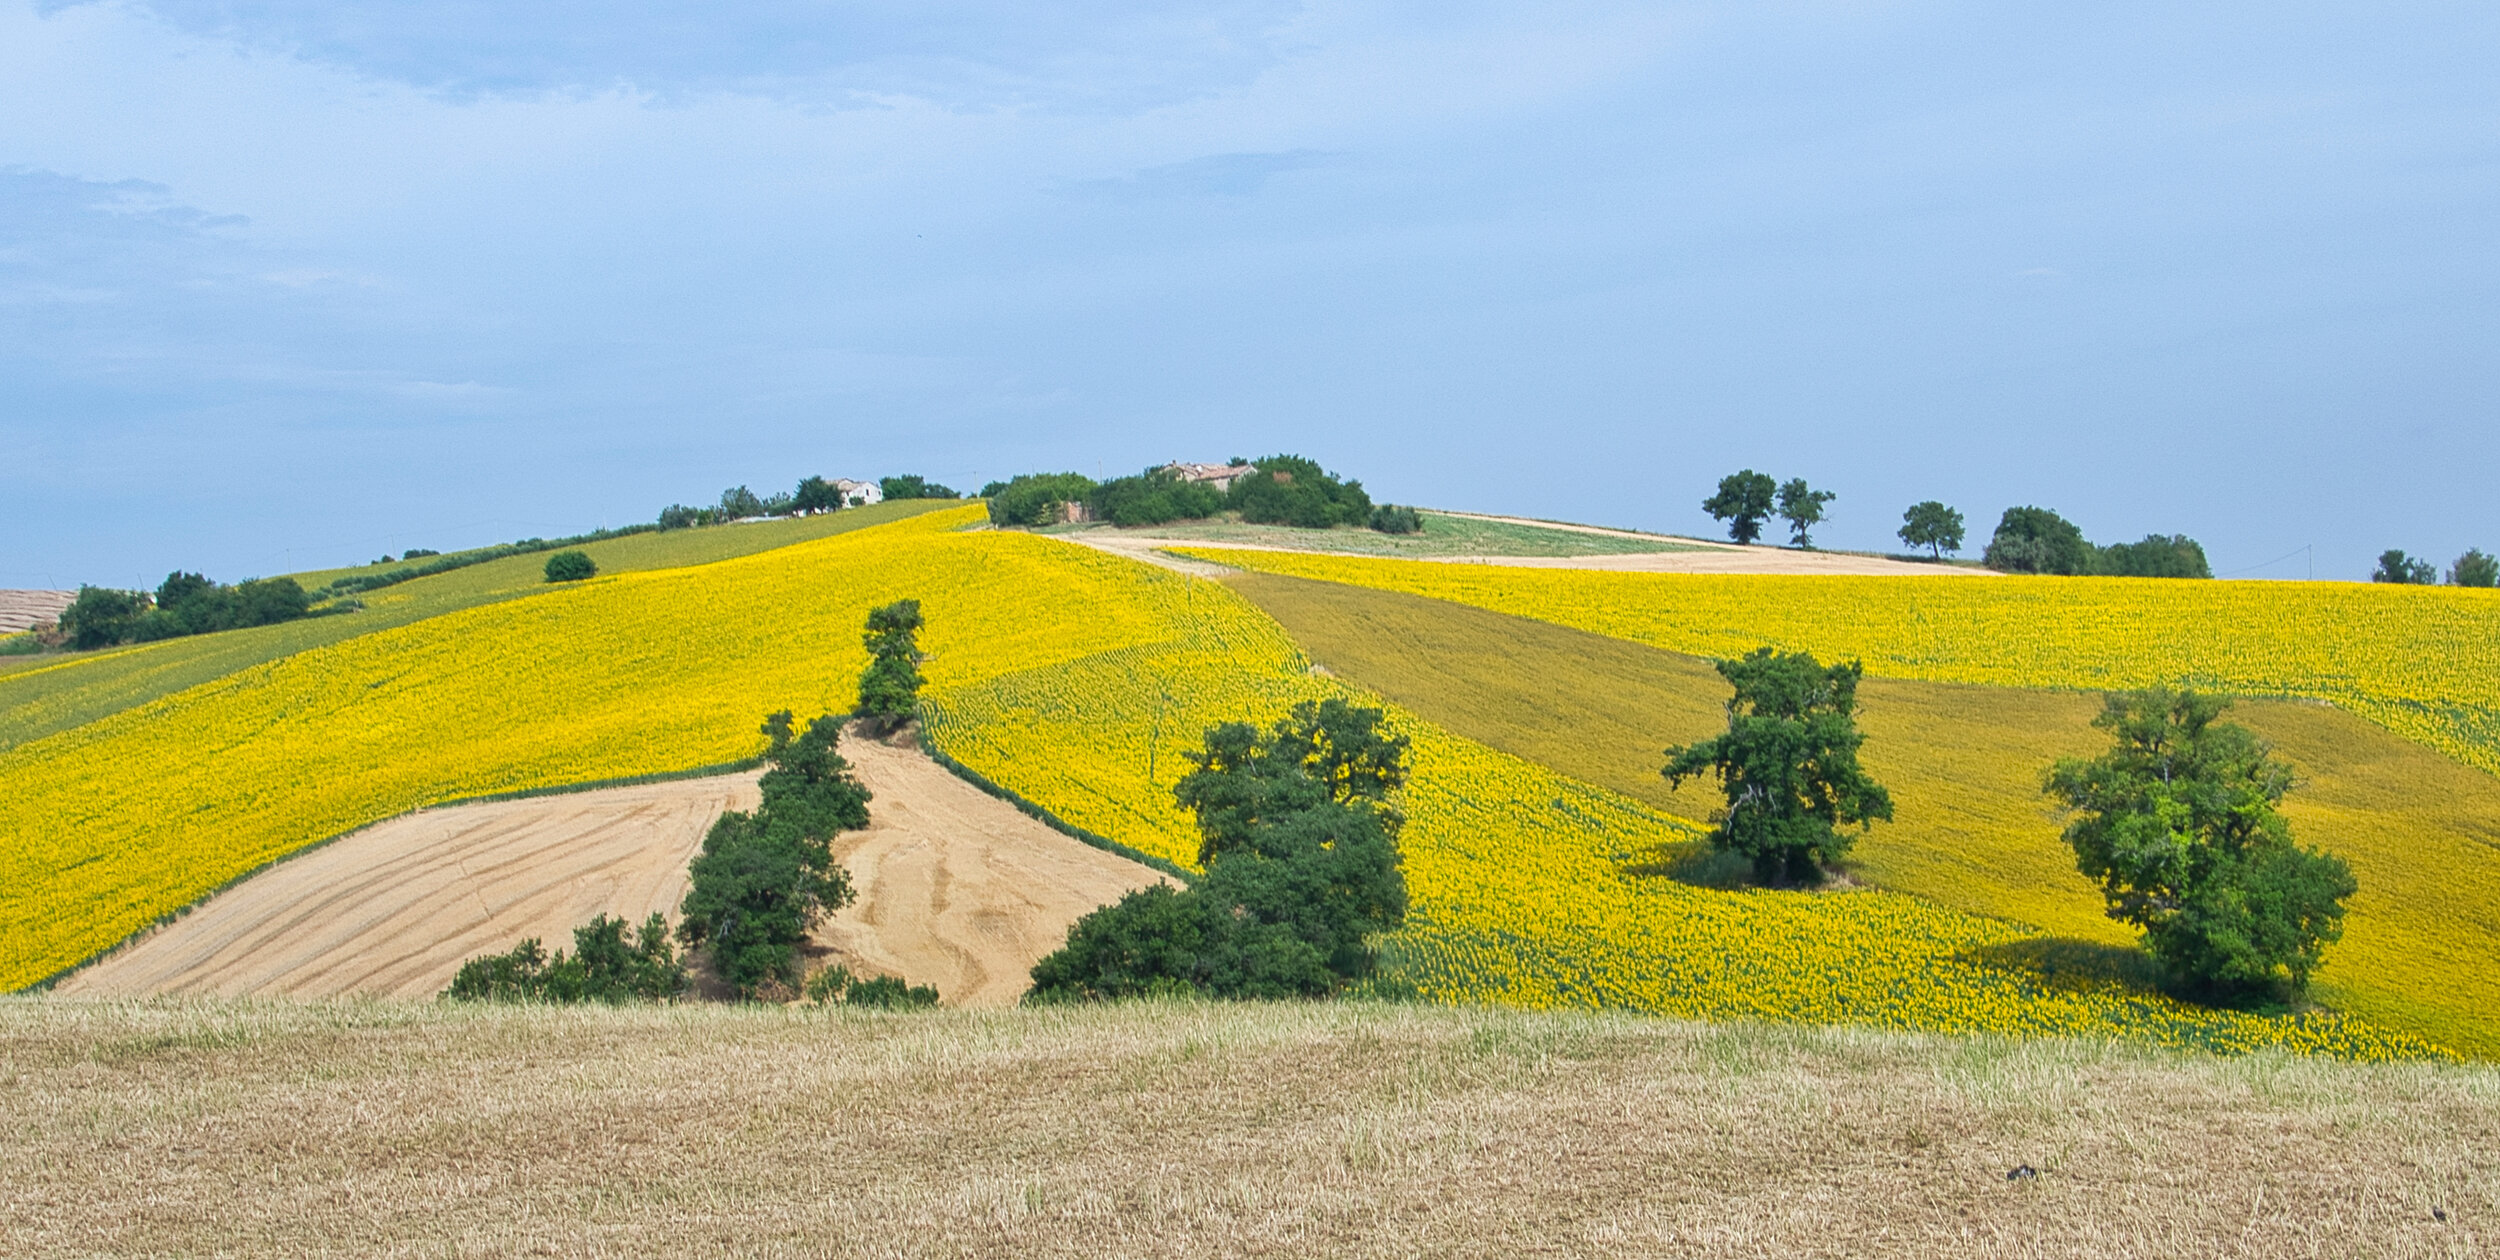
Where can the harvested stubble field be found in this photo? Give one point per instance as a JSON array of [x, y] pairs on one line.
[[957, 889], [376, 1129]]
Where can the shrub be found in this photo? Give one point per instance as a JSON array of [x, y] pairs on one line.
[[1300, 847], [2177, 556], [2037, 540], [570, 566], [1036, 499], [764, 879], [1389, 519], [1291, 490], [889, 689], [913, 486], [2177, 822], [101, 616], [2396, 567], [418, 553], [2474, 569], [1154, 497], [890, 993], [607, 965]]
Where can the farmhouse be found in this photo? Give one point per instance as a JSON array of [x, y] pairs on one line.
[[859, 493], [1217, 477]]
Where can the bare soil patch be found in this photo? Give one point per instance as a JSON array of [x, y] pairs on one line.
[[24, 610], [957, 889], [1296, 1130]]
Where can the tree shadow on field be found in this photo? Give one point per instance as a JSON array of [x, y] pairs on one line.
[[1691, 862], [2064, 962]]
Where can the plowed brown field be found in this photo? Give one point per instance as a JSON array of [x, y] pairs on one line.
[[957, 889]]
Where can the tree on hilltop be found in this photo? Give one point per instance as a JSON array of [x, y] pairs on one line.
[[1934, 526], [1802, 507], [2177, 822], [2037, 540], [1788, 764], [2474, 569], [1744, 501], [2394, 566]]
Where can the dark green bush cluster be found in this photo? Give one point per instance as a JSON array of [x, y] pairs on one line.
[[764, 879], [1391, 519], [570, 566], [1299, 842], [889, 689], [836, 985], [186, 603], [1156, 496], [2037, 540], [611, 962], [1036, 498], [2178, 824], [2474, 568], [1291, 490], [913, 486]]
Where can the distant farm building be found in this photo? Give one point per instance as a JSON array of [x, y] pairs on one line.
[[1217, 477], [859, 493]]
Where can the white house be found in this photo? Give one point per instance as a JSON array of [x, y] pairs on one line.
[[859, 493]]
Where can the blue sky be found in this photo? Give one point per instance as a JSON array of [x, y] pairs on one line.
[[286, 284]]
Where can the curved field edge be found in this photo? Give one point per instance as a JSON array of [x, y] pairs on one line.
[[2421, 949], [2421, 661], [1076, 680], [49, 695]]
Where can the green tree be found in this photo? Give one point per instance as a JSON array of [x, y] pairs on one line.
[[1291, 490], [815, 494], [2037, 540], [101, 616], [1788, 764], [2396, 567], [1036, 499], [765, 878], [2175, 556], [1153, 497], [2178, 824], [1802, 507], [1934, 526], [1299, 841], [737, 503], [912, 486], [570, 566], [889, 689], [2474, 569], [1744, 501]]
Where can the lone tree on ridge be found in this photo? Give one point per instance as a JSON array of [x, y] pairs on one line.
[[1802, 507], [889, 689], [1744, 502], [1788, 763], [1934, 526]]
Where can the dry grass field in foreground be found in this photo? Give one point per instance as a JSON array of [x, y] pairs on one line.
[[236, 1128]]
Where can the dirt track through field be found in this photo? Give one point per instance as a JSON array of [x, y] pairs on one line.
[[957, 889]]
